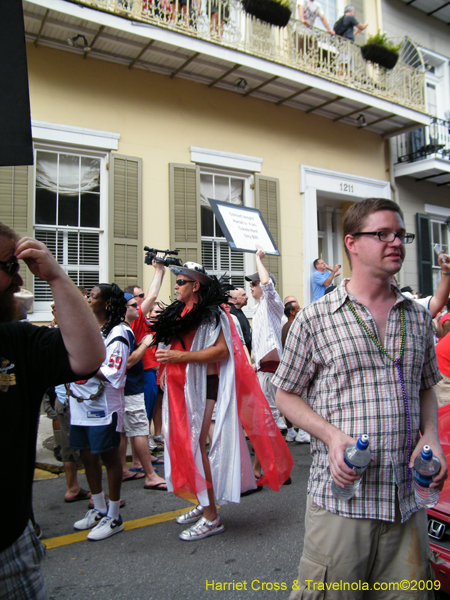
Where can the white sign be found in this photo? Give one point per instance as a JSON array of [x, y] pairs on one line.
[[243, 227]]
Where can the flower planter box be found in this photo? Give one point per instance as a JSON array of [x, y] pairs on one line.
[[380, 55], [269, 11]]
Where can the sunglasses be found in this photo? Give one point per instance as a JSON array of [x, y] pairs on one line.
[[11, 267], [132, 305], [181, 282], [254, 283], [139, 296]]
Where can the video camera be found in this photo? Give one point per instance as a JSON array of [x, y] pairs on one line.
[[166, 260]]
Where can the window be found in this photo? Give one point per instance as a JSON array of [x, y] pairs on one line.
[[217, 257], [439, 235], [67, 216], [330, 10]]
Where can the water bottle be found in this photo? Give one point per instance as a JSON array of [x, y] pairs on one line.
[[357, 457], [426, 466]]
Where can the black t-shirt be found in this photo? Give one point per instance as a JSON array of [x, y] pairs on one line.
[[31, 360], [245, 326], [350, 22], [135, 375]]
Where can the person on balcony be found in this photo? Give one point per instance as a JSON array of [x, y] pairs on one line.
[[349, 26], [309, 10]]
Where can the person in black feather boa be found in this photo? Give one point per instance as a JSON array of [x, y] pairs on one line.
[[174, 321], [197, 310]]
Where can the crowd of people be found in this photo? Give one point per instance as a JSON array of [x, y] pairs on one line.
[[361, 359]]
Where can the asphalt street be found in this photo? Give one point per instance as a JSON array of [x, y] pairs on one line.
[[256, 557]]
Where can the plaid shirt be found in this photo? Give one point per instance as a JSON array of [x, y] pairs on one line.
[[333, 364]]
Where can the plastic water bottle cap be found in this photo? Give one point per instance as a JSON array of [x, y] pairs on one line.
[[427, 453], [362, 442]]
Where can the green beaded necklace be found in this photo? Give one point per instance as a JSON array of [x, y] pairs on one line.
[[398, 366]]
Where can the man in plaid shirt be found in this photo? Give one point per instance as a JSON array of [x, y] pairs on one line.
[[362, 360]]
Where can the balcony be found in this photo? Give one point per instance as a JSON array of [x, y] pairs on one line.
[[216, 43], [425, 153]]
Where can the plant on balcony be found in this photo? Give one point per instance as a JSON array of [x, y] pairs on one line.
[[275, 12], [380, 50]]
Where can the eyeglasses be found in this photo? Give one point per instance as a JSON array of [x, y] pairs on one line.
[[389, 236], [254, 283], [181, 282], [11, 267], [132, 305], [139, 295]]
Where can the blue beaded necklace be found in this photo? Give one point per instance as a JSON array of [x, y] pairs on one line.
[[398, 365]]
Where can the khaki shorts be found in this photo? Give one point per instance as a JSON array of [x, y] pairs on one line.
[[442, 391], [379, 554], [135, 421]]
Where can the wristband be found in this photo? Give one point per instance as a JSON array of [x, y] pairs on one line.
[[444, 273]]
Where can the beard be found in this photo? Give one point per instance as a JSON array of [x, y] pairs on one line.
[[9, 308]]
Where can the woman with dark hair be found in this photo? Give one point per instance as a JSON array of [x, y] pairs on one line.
[[96, 409]]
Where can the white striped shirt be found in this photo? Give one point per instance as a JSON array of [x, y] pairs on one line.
[[266, 324]]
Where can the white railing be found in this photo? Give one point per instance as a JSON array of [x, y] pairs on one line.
[[310, 50]]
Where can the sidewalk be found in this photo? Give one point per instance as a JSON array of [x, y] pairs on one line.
[[45, 459]]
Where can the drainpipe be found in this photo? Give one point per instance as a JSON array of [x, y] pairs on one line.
[[394, 190]]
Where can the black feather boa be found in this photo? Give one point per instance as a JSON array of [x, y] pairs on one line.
[[171, 325]]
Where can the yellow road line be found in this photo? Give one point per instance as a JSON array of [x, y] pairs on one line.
[[81, 536]]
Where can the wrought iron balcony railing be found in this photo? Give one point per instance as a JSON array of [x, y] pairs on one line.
[[432, 141], [310, 50]]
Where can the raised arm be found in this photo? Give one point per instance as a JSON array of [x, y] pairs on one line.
[[77, 323], [334, 272], [154, 289], [262, 271]]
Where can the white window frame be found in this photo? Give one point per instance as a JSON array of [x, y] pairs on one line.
[[56, 137], [437, 214]]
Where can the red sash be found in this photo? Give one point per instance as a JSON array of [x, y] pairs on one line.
[[258, 422]]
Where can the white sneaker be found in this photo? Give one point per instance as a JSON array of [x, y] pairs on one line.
[[303, 437], [152, 445], [159, 439], [91, 519], [281, 423], [106, 528], [289, 437], [202, 529]]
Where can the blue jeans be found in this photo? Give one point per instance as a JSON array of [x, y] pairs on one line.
[[150, 392]]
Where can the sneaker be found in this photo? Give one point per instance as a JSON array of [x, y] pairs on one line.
[[159, 439], [202, 529], [152, 445], [281, 423], [303, 437], [190, 517], [91, 519], [106, 528], [289, 437]]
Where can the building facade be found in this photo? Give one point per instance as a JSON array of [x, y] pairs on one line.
[[142, 111]]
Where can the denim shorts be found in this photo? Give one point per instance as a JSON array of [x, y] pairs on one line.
[[96, 438]]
